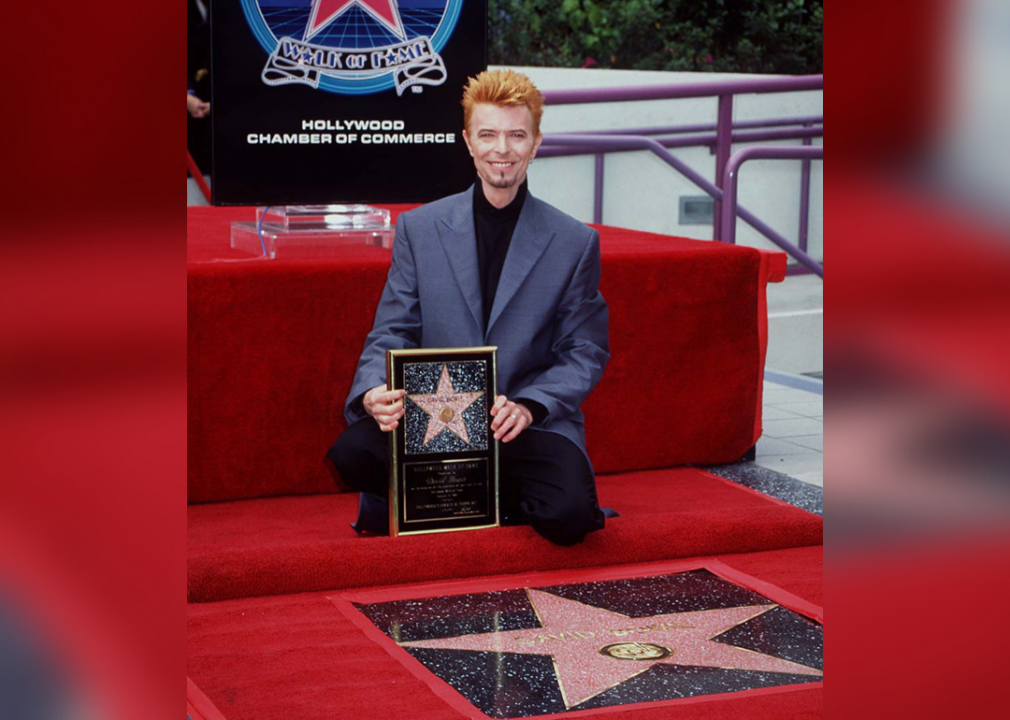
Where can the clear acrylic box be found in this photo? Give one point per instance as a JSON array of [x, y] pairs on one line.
[[290, 231]]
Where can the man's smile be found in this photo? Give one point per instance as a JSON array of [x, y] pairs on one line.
[[502, 141]]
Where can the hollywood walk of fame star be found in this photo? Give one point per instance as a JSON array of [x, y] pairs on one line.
[[326, 11], [445, 408], [594, 650]]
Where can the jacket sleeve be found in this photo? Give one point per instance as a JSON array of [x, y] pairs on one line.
[[580, 345], [397, 323]]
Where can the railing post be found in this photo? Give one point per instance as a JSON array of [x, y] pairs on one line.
[[598, 190], [728, 208], [729, 197], [723, 149], [805, 197]]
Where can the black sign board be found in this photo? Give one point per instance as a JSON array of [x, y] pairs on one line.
[[320, 101]]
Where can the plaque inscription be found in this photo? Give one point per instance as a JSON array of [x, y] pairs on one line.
[[446, 490]]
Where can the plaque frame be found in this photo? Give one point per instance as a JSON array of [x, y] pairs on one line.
[[399, 458]]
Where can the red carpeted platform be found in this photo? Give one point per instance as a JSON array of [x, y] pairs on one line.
[[296, 544], [299, 656], [273, 346]]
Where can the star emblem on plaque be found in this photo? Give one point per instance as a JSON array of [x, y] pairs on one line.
[[533, 651], [445, 407], [444, 469]]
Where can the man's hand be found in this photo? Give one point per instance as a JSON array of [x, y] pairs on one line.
[[510, 419], [197, 107], [386, 406]]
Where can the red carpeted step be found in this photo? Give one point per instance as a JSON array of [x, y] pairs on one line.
[[299, 544], [299, 657], [273, 346]]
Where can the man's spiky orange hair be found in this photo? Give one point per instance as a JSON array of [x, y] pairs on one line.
[[503, 87]]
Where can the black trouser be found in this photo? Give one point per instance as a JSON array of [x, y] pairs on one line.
[[544, 480]]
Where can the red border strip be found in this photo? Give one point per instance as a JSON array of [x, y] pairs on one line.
[[772, 592], [509, 582], [198, 176], [198, 705], [760, 494]]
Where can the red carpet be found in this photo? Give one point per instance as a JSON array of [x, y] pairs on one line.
[[298, 544], [297, 656], [273, 346]]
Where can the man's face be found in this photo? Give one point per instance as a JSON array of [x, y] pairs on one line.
[[502, 143]]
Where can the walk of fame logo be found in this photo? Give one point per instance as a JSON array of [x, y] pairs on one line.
[[353, 47], [550, 650]]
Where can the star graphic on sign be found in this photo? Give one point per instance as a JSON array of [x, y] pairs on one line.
[[445, 408], [326, 11], [594, 650]]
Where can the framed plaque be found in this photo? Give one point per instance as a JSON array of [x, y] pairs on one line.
[[443, 455]]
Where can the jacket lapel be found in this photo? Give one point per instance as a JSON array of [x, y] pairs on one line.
[[459, 241], [530, 239]]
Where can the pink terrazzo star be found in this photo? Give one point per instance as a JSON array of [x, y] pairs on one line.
[[594, 650], [445, 408]]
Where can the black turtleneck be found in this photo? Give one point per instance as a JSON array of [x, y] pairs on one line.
[[494, 228]]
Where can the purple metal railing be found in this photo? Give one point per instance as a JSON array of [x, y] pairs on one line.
[[646, 143], [731, 179], [726, 133], [804, 198], [808, 121], [669, 92], [709, 139], [598, 188], [723, 148]]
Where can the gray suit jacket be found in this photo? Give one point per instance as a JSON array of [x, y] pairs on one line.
[[548, 320]]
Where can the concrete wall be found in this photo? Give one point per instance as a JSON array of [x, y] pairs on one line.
[[641, 191]]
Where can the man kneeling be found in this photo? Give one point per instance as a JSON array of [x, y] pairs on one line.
[[493, 266]]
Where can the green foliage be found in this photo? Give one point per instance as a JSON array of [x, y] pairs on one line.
[[758, 36]]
